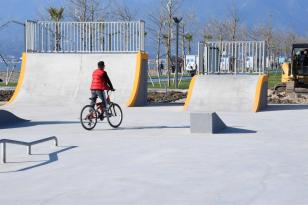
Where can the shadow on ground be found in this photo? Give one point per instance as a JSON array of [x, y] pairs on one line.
[[228, 130], [149, 127], [35, 123], [282, 107], [235, 130], [53, 157], [7, 118]]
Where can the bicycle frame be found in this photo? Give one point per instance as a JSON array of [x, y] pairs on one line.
[[100, 112], [100, 106]]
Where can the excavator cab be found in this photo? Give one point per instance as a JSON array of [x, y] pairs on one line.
[[295, 73]]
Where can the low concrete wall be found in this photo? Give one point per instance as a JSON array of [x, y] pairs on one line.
[[201, 123]]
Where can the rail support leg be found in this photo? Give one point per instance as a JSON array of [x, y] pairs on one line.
[[56, 142], [29, 150], [4, 152]]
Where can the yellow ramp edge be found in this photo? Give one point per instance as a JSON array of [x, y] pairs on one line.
[[20, 79], [258, 97], [190, 91], [134, 93]]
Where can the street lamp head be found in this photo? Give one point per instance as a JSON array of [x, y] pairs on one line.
[[177, 20]]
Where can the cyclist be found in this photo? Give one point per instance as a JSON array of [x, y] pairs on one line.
[[100, 83]]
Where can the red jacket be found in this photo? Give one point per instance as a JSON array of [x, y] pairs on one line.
[[98, 80]]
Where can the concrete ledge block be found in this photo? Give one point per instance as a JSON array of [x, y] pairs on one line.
[[206, 123]]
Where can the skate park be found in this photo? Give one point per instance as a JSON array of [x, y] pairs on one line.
[[154, 157]]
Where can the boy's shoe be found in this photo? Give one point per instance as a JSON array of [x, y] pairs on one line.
[[101, 116], [109, 114]]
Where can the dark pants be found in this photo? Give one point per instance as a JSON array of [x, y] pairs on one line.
[[100, 94], [303, 70]]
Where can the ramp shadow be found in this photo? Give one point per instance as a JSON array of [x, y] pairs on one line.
[[53, 157], [281, 107], [150, 127], [227, 130], [29, 123], [8, 118], [236, 130]]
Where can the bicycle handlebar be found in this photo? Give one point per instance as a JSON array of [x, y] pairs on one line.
[[111, 90]]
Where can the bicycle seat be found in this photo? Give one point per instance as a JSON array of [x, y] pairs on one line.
[[92, 99]]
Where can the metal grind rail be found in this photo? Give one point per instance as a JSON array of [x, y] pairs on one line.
[[4, 143]]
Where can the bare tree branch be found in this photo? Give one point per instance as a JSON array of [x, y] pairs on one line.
[[88, 10], [122, 12]]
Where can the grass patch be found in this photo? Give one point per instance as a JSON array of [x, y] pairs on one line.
[[184, 85], [171, 76], [274, 79], [2, 84]]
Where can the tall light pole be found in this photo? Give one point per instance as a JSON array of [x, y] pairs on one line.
[[177, 22]]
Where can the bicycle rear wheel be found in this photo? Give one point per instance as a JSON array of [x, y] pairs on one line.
[[114, 115], [88, 117]]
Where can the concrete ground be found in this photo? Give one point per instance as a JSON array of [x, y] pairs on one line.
[[153, 159]]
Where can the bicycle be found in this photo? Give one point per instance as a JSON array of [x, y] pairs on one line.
[[91, 114]]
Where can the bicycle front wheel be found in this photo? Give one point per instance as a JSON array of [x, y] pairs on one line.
[[88, 117], [114, 115]]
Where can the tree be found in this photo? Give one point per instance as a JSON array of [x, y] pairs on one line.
[[170, 9], [123, 13], [56, 15], [233, 20], [156, 28], [217, 29], [190, 25], [207, 37], [265, 32], [289, 39], [229, 28], [89, 11], [189, 38]]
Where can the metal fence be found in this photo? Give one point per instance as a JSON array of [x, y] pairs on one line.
[[233, 57], [84, 37]]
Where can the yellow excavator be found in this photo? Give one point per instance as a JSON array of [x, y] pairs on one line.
[[295, 73]]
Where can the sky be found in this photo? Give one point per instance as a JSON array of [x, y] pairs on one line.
[[286, 14]]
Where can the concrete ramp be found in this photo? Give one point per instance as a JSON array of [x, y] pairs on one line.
[[227, 93], [62, 79]]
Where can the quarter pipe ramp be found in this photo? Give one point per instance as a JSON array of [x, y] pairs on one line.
[[63, 80], [227, 93]]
